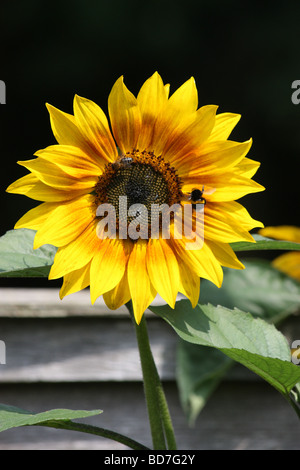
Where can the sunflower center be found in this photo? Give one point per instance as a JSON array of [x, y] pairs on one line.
[[138, 178]]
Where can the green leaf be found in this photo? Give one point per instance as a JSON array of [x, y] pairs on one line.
[[199, 370], [295, 398], [250, 341], [259, 289], [281, 374], [221, 327], [12, 417], [263, 243], [19, 259]]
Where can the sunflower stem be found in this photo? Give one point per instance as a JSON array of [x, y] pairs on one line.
[[158, 411]]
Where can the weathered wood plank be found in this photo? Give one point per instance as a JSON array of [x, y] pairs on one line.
[[45, 302], [81, 349]]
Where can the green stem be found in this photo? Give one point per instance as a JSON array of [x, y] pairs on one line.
[[158, 411], [167, 421], [150, 387], [87, 428]]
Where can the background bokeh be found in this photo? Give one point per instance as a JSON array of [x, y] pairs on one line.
[[244, 56]]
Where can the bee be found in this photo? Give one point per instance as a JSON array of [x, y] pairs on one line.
[[196, 196], [122, 162]]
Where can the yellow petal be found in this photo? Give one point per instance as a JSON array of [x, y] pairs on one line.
[[167, 89], [213, 158], [179, 110], [54, 176], [189, 284], [189, 136], [224, 124], [32, 187], [282, 232], [23, 185], [107, 267], [225, 255], [163, 270], [75, 281], [247, 167], [65, 130], [76, 254], [93, 125], [72, 160], [124, 116], [222, 226], [141, 290], [151, 100], [185, 98], [202, 262], [66, 222], [118, 296], [37, 216], [289, 263], [235, 213]]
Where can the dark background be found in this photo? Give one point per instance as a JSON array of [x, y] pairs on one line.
[[244, 56]]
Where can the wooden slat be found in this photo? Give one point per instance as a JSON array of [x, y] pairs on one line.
[[52, 340], [80, 349], [45, 302]]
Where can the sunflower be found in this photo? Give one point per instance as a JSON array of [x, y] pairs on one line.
[[157, 150], [288, 263]]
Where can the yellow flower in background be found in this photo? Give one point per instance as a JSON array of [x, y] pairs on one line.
[[289, 262], [157, 150]]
